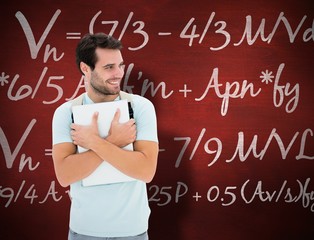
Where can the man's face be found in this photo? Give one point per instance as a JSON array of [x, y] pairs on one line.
[[105, 79]]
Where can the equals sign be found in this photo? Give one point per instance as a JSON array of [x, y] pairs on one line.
[[48, 152], [73, 35]]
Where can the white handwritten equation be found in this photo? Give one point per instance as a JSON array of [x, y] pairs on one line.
[[226, 92], [191, 33], [230, 195], [28, 192], [286, 95], [164, 195]]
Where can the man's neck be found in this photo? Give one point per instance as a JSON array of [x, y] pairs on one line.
[[102, 98]]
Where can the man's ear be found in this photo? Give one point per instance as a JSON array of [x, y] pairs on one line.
[[84, 68]]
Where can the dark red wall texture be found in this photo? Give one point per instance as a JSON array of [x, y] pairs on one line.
[[232, 83]]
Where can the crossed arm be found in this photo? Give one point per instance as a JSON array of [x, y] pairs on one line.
[[71, 166]]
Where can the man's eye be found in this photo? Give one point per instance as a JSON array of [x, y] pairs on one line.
[[109, 67]]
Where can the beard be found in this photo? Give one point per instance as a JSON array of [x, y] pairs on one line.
[[100, 88]]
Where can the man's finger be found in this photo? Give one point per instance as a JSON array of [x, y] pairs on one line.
[[131, 122], [95, 117], [116, 116]]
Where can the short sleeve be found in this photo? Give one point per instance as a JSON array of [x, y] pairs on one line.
[[145, 118], [61, 122]]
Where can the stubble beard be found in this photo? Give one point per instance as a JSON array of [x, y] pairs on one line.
[[102, 90]]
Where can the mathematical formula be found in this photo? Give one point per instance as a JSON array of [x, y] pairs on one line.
[[28, 192], [165, 195], [190, 32], [228, 196], [214, 154], [211, 68], [240, 153], [226, 92], [286, 95]]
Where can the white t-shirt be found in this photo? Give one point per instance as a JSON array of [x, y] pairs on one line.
[[111, 210]]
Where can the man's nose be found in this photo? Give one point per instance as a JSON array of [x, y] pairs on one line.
[[119, 72]]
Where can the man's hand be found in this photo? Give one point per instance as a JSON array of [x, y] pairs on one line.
[[121, 134], [85, 136]]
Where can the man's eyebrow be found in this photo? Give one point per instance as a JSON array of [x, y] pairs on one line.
[[112, 64], [108, 65]]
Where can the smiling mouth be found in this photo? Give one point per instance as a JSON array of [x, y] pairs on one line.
[[114, 81]]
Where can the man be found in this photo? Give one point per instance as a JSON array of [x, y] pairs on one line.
[[119, 210]]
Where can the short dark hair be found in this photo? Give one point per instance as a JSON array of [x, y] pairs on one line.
[[85, 50]]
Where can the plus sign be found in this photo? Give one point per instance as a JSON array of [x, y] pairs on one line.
[[185, 90], [196, 196]]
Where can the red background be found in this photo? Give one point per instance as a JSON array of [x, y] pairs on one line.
[[169, 60]]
